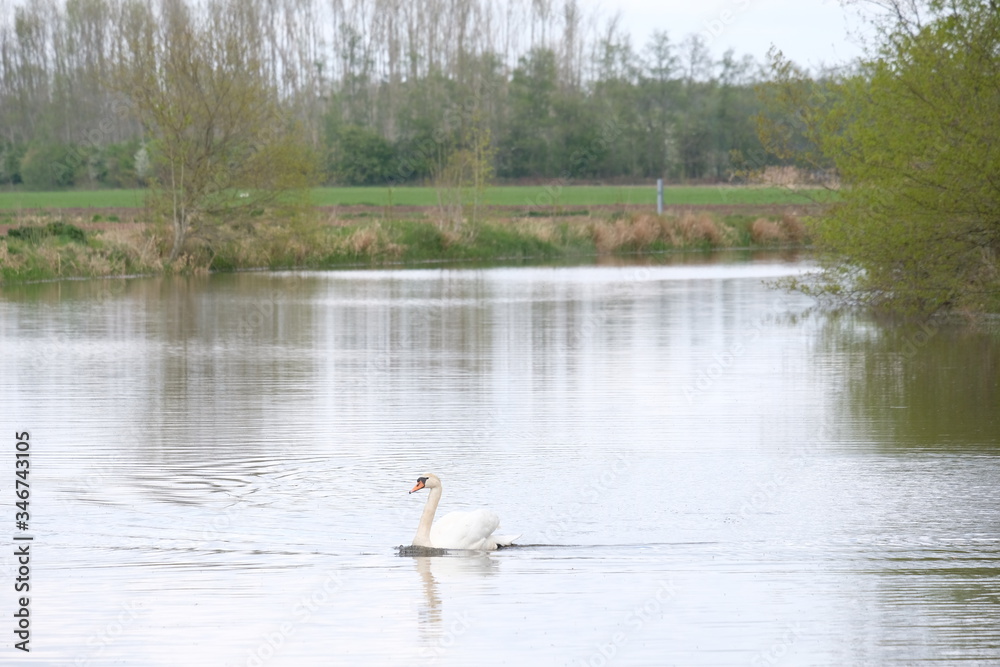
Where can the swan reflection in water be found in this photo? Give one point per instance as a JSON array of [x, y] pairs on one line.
[[436, 634]]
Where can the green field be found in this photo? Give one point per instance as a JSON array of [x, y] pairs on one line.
[[542, 195], [71, 199]]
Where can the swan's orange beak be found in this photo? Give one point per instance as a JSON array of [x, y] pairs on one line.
[[420, 485]]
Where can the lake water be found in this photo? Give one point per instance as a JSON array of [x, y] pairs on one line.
[[704, 470]]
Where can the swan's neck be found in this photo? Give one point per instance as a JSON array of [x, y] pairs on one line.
[[423, 537]]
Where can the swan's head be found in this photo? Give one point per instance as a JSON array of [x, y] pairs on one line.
[[428, 480]]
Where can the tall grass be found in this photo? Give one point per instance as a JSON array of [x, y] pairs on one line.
[[126, 250]]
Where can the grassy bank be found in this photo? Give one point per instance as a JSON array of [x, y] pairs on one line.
[[552, 194], [42, 247]]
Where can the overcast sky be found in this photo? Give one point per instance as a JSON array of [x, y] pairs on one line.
[[810, 32]]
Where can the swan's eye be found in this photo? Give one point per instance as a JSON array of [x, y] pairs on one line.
[[421, 480]]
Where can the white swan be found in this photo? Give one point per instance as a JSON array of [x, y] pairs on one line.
[[456, 530]]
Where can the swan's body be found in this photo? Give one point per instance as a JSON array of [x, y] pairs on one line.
[[456, 530]]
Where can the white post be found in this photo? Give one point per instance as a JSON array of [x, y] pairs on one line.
[[659, 196]]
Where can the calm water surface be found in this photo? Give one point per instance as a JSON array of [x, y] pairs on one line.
[[704, 471]]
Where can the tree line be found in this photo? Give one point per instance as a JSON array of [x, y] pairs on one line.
[[384, 91]]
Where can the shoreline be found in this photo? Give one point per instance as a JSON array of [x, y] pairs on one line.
[[94, 243]]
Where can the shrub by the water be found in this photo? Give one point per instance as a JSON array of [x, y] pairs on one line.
[[36, 233]]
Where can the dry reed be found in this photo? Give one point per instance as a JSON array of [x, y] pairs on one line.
[[370, 242], [789, 229], [765, 232], [644, 231], [794, 229]]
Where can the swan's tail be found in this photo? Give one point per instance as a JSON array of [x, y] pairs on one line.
[[505, 540]]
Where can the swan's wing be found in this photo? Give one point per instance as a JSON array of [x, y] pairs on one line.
[[465, 530]]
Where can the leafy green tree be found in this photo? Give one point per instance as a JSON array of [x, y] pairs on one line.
[[11, 155], [360, 156], [527, 150], [913, 137], [49, 166], [425, 126], [221, 144], [119, 165], [659, 90], [581, 151]]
